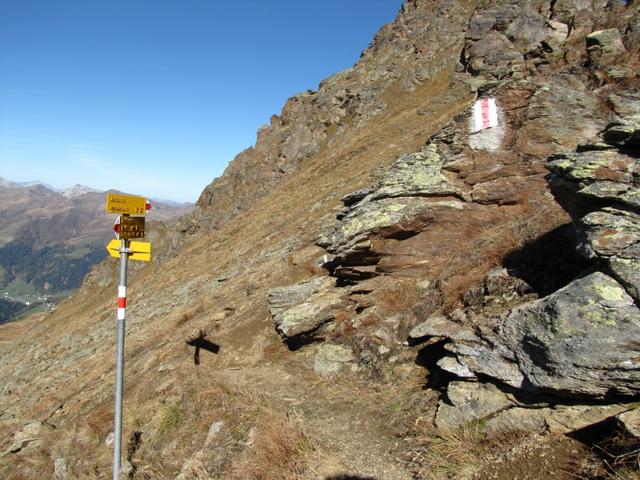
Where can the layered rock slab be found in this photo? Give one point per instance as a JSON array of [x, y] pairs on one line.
[[304, 310], [600, 187], [580, 341], [412, 186]]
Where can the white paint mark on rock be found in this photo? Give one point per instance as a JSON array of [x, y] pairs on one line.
[[485, 114], [486, 128]]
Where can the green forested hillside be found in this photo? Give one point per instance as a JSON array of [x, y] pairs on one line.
[[9, 309], [51, 269]]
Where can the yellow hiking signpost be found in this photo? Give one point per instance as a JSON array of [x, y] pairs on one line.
[[126, 227], [138, 250], [126, 204]]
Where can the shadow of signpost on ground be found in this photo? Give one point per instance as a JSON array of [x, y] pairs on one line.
[[200, 341]]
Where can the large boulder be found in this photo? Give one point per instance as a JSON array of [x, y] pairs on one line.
[[624, 132], [413, 186], [568, 418], [499, 36], [494, 55], [612, 236], [580, 341], [591, 166], [467, 402], [415, 175], [440, 326], [560, 115], [604, 46], [608, 232], [516, 419], [305, 310], [490, 358]]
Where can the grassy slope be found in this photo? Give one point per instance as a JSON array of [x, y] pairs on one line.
[[170, 301]]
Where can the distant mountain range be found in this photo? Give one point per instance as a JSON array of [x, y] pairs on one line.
[[68, 192], [76, 215], [50, 238]]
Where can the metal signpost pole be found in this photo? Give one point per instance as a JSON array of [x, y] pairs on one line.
[[122, 303], [126, 228]]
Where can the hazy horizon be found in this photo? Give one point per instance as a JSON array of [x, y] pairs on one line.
[[60, 189]]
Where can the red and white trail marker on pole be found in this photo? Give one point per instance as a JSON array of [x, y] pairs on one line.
[[122, 301]]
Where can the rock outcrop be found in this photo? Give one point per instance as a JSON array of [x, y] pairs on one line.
[[304, 311], [408, 52], [604, 46], [579, 341], [414, 186], [548, 118]]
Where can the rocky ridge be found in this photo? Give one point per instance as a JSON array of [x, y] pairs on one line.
[[573, 344], [402, 57]]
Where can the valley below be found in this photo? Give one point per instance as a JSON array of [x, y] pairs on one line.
[[50, 240]]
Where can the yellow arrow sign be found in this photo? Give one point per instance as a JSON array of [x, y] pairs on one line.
[[126, 204], [139, 250]]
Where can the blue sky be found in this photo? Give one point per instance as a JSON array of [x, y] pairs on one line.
[[155, 97]]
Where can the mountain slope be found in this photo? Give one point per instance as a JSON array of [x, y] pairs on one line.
[[408, 305]]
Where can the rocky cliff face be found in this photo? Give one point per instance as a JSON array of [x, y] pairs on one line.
[[404, 55], [375, 234]]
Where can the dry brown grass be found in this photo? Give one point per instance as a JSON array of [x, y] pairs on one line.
[[255, 441], [96, 455], [490, 246], [276, 351], [400, 297], [343, 326], [621, 457], [625, 473], [100, 420], [443, 452], [36, 464], [190, 312], [449, 453], [280, 450]]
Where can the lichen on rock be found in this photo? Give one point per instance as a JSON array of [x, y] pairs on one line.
[[304, 310], [579, 341], [413, 186]]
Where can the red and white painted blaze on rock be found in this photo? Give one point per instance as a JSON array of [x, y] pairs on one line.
[[122, 301], [485, 114]]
